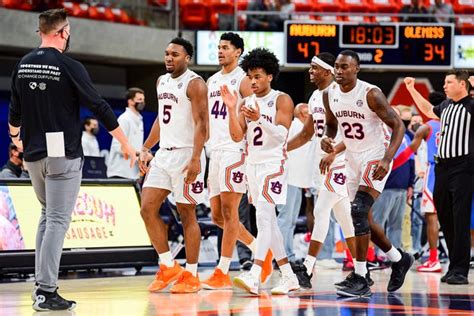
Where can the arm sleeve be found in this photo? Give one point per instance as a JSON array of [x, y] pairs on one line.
[[277, 132], [14, 113], [89, 97], [402, 158]]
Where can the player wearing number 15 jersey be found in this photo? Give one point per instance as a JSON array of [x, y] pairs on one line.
[[227, 179], [178, 166], [360, 111], [264, 120]]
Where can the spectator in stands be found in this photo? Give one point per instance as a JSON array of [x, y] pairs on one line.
[[416, 7], [405, 115], [14, 166], [132, 124], [442, 12], [415, 122], [389, 208], [257, 22], [90, 145]]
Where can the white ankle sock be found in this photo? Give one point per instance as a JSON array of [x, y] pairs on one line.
[[309, 262], [360, 268], [167, 259], [256, 270], [394, 255], [192, 267], [224, 264], [286, 269]]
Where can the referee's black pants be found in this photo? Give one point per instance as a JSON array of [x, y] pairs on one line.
[[452, 198]]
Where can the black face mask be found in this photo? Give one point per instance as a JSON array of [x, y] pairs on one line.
[[66, 48], [415, 127], [139, 106], [20, 155], [406, 123], [95, 131]]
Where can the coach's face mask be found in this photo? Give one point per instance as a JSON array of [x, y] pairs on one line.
[[140, 106], [68, 41]]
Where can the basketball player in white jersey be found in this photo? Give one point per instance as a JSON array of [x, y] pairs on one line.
[[360, 111], [226, 180], [178, 166], [264, 120], [333, 190]]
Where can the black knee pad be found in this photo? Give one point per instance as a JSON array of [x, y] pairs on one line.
[[360, 212]]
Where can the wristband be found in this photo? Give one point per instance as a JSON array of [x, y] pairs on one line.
[[13, 136]]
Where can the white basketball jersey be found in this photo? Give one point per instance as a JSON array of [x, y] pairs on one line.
[[318, 112], [174, 111], [220, 138], [261, 147], [360, 127]]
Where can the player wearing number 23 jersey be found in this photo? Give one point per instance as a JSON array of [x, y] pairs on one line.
[[365, 136]]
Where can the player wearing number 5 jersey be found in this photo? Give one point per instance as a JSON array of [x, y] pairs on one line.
[[264, 120], [227, 179], [178, 166], [360, 111]]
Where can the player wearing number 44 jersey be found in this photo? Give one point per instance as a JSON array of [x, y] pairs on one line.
[[178, 166], [360, 111], [263, 119], [227, 179]]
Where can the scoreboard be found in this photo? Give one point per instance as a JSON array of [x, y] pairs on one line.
[[384, 45]]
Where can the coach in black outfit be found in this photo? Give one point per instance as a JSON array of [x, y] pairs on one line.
[[454, 169], [47, 90]]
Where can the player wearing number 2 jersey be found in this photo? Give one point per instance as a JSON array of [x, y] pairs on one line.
[[227, 179], [264, 120], [360, 110], [178, 166], [333, 190]]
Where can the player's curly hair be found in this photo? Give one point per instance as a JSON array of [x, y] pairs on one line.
[[261, 58]]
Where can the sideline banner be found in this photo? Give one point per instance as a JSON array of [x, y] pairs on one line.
[[104, 216]]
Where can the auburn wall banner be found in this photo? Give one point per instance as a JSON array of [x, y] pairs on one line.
[[104, 216]]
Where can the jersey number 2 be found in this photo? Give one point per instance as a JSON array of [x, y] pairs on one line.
[[258, 134]]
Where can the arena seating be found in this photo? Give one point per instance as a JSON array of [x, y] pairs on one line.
[[206, 14]]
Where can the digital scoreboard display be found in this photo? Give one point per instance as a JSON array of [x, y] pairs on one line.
[[385, 45]]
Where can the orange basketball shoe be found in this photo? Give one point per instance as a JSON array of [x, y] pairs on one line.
[[217, 281], [187, 283], [165, 276], [267, 268]]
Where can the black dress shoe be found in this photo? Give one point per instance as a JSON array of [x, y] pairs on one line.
[[445, 277], [457, 278]]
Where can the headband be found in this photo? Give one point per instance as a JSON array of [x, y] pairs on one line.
[[322, 63]]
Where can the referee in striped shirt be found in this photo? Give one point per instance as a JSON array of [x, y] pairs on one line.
[[454, 171]]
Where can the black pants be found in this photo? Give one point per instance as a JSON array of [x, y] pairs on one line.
[[452, 197]]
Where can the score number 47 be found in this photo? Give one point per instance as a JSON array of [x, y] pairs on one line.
[[305, 48]]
